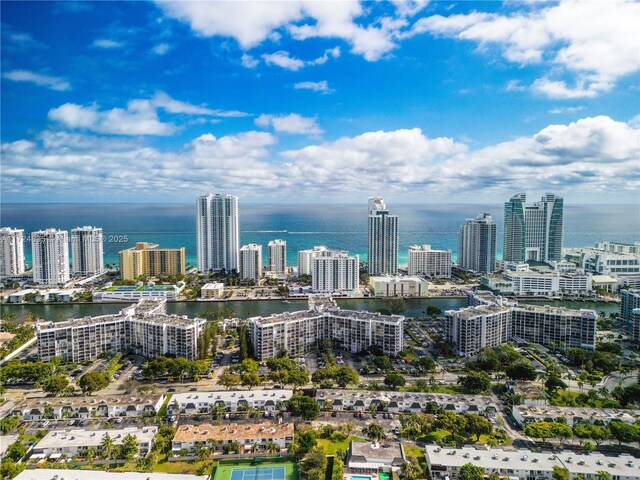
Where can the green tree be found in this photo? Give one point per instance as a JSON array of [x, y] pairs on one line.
[[9, 424], [92, 382], [521, 370], [305, 407], [394, 380], [624, 432], [410, 470], [346, 376], [56, 384], [106, 446], [374, 431], [305, 439], [477, 425], [475, 382], [470, 471], [560, 473], [129, 447], [229, 380], [16, 451]]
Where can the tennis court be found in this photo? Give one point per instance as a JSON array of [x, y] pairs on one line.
[[260, 473], [257, 469]]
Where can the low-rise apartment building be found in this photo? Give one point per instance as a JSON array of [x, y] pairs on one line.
[[409, 402], [252, 437], [603, 261], [445, 463], [72, 443], [212, 290], [143, 329], [525, 414], [105, 406], [54, 474], [202, 402], [370, 458], [300, 332], [135, 293], [399, 286]]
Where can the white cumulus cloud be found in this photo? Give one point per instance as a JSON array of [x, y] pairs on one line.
[[54, 83], [321, 86], [292, 124], [596, 42], [107, 43]]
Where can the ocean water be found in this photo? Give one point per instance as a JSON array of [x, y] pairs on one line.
[[303, 226]]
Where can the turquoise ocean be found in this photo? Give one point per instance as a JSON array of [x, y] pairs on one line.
[[339, 226]]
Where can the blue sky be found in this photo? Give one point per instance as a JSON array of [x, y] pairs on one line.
[[320, 101]]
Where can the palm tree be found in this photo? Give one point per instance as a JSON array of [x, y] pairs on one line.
[[106, 446], [203, 453], [272, 447], [410, 471], [374, 431]]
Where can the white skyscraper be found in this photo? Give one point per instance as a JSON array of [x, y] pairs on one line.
[[251, 261], [477, 244], [277, 256], [383, 239], [335, 272], [11, 251], [305, 258], [50, 256], [217, 232], [86, 251]]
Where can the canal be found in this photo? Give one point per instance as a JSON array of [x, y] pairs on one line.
[[249, 308]]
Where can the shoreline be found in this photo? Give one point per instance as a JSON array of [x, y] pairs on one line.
[[216, 301]]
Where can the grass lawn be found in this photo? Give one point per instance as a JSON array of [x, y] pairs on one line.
[[330, 446], [435, 389], [181, 467], [224, 470], [413, 451], [162, 412]]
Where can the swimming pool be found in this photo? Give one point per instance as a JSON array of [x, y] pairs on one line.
[[360, 477]]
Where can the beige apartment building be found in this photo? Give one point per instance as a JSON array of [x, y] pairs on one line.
[[147, 259]]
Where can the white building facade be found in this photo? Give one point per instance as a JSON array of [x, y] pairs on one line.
[[86, 251], [477, 244], [50, 257], [251, 262], [491, 321], [300, 332], [143, 329], [335, 272], [305, 258], [217, 231], [277, 256], [426, 261], [399, 286], [382, 255], [11, 251]]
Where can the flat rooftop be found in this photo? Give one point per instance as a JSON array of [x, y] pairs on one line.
[[233, 431], [531, 411], [421, 397], [80, 438], [498, 459], [90, 402], [54, 474], [333, 312], [231, 396], [386, 450]]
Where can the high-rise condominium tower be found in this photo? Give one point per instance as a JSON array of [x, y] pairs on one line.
[[383, 239], [218, 232], [477, 244], [277, 256], [251, 262], [533, 232], [11, 251], [50, 257], [86, 251]]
